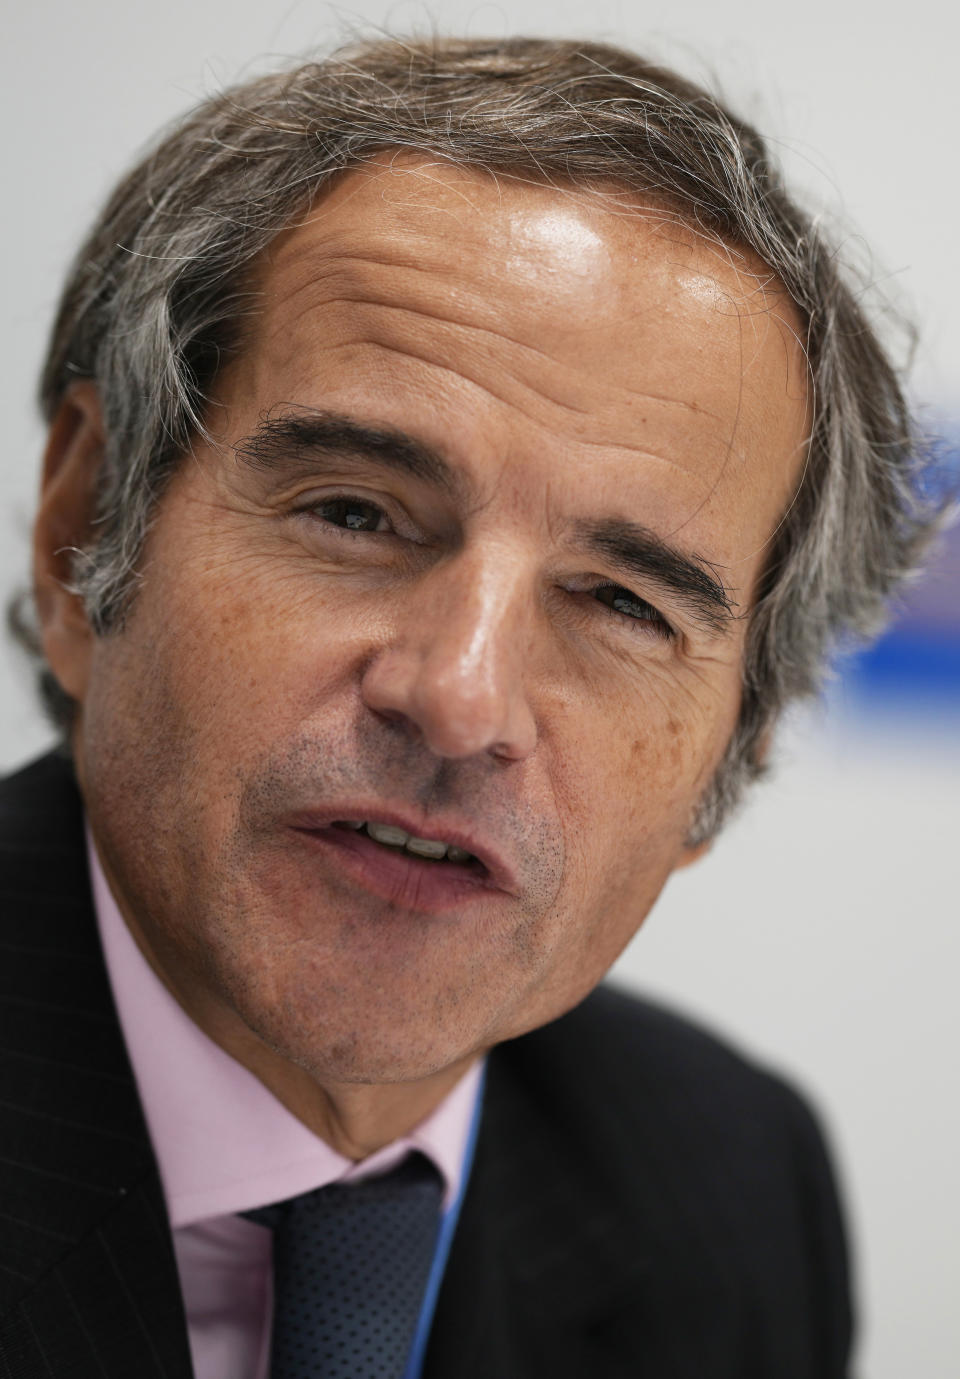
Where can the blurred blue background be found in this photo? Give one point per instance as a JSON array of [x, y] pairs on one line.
[[914, 669]]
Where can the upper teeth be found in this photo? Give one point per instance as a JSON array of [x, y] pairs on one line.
[[399, 838]]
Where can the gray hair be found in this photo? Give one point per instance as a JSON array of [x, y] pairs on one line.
[[158, 295]]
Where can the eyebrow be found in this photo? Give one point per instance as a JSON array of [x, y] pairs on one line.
[[638, 552], [296, 439]]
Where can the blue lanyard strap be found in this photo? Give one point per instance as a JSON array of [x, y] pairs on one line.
[[447, 1227]]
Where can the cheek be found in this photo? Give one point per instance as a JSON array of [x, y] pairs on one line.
[[627, 816], [656, 743], [629, 784], [246, 657]]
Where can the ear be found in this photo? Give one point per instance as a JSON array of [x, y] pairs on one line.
[[71, 464], [689, 855]]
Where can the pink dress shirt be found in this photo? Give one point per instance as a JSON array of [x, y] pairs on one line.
[[224, 1144]]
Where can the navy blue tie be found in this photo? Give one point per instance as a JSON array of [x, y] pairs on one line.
[[350, 1266]]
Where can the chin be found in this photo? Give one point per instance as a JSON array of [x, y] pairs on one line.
[[360, 1060], [373, 1038]]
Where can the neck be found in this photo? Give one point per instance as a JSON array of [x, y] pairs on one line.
[[355, 1119]]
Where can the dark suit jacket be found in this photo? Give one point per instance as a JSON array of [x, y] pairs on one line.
[[643, 1202]]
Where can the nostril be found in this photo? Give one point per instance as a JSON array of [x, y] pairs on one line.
[[457, 707]]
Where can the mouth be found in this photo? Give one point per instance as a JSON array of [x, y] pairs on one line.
[[399, 840], [416, 871]]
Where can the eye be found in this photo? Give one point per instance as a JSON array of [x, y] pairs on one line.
[[352, 514], [620, 600]]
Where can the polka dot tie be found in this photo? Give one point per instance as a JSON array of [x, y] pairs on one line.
[[350, 1266]]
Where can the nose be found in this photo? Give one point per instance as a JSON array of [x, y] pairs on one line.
[[453, 668]]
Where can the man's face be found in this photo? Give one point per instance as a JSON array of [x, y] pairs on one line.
[[454, 564]]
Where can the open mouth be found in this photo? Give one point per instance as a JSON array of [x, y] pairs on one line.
[[397, 840], [420, 874]]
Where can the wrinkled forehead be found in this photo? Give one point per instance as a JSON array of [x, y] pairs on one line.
[[555, 269]]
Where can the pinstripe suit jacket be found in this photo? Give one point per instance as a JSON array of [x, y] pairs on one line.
[[643, 1202]]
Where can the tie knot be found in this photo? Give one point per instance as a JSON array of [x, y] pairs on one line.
[[351, 1262], [414, 1180]]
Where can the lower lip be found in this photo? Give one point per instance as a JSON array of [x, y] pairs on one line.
[[396, 876]]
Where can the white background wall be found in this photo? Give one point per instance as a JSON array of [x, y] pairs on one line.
[[822, 933]]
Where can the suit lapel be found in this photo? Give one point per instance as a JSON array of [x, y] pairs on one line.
[[536, 1283], [528, 1278], [88, 1281], [568, 1259]]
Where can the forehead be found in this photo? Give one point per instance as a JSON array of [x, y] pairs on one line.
[[548, 316]]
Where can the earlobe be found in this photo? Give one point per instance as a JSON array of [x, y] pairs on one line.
[[689, 855], [71, 465]]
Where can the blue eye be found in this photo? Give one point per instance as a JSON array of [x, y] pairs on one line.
[[620, 600]]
